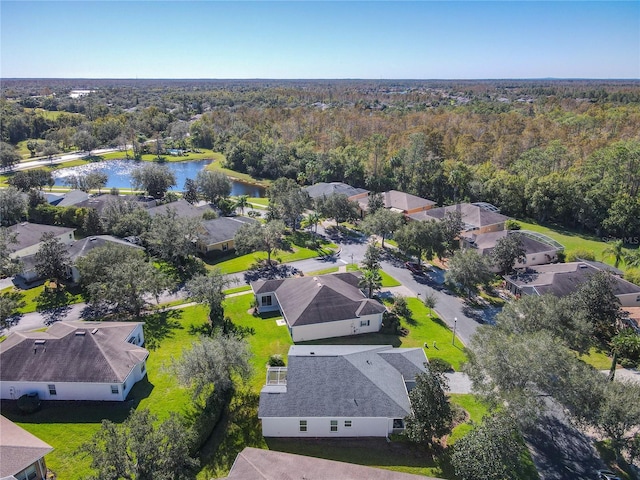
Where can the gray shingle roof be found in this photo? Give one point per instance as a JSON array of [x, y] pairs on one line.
[[18, 448], [259, 464], [562, 279], [320, 299], [29, 234], [103, 357], [486, 242], [222, 229], [182, 208], [344, 381], [472, 215], [323, 189], [73, 197]]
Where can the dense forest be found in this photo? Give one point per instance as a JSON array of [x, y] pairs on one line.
[[552, 150]]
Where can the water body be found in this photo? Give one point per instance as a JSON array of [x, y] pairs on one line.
[[119, 174]]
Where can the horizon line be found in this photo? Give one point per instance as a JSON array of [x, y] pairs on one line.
[[327, 78]]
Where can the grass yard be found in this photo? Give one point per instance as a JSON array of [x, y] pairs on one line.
[[324, 271], [242, 288], [152, 157], [474, 407], [216, 165], [597, 358], [258, 202], [33, 298], [423, 329], [573, 240], [68, 425]]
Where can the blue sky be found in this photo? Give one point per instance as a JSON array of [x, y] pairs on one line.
[[331, 39]]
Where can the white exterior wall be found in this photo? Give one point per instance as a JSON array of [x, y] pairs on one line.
[[138, 334], [321, 427], [630, 299], [275, 306], [340, 328], [74, 390]]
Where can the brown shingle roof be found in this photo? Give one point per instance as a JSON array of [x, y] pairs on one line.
[[18, 448], [472, 215], [404, 201], [100, 357]]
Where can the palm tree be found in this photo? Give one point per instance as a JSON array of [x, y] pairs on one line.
[[632, 259], [242, 202], [312, 220], [370, 280], [616, 251]]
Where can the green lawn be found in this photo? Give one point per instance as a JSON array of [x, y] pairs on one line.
[[597, 358], [474, 407], [244, 177], [32, 297], [573, 240], [242, 288], [388, 280], [204, 154], [67, 425], [262, 202], [324, 271], [423, 329]]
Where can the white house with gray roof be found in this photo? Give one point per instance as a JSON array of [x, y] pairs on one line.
[[340, 391], [21, 453], [323, 306], [74, 360]]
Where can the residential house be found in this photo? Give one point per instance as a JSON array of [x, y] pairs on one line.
[[399, 202], [260, 464], [318, 307], [73, 198], [561, 279], [326, 190], [182, 209], [539, 249], [76, 250], [21, 453], [477, 218], [74, 360], [340, 391], [217, 235], [28, 236]]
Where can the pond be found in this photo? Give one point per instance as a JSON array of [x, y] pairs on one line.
[[119, 174]]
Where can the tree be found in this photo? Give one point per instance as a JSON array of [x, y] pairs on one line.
[[599, 303], [52, 259], [287, 201], [382, 223], [468, 268], [9, 156], [85, 141], [213, 186], [450, 227], [50, 149], [142, 449], [208, 289], [312, 220], [13, 206], [338, 207], [372, 257], [10, 302], [375, 202], [92, 224], [371, 280], [507, 251], [8, 266], [190, 191], [491, 451], [615, 250], [120, 278], [96, 180], [154, 179], [25, 180], [123, 217], [210, 365], [619, 414], [172, 238], [431, 415], [420, 239], [242, 202], [262, 238]]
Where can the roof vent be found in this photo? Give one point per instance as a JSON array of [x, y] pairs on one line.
[[583, 265], [312, 353], [94, 331], [80, 333], [40, 342]]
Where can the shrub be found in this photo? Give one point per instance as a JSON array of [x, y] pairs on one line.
[[29, 403], [574, 255], [114, 191], [440, 365], [562, 256], [512, 225], [633, 276], [276, 360]]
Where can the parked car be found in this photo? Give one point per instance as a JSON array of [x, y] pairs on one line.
[[607, 475], [415, 268]]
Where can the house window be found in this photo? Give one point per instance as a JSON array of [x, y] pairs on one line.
[[115, 389], [347, 423], [638, 298], [143, 368], [52, 390], [266, 300], [398, 423], [365, 323], [303, 425], [225, 247], [124, 387], [27, 474], [334, 425]]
